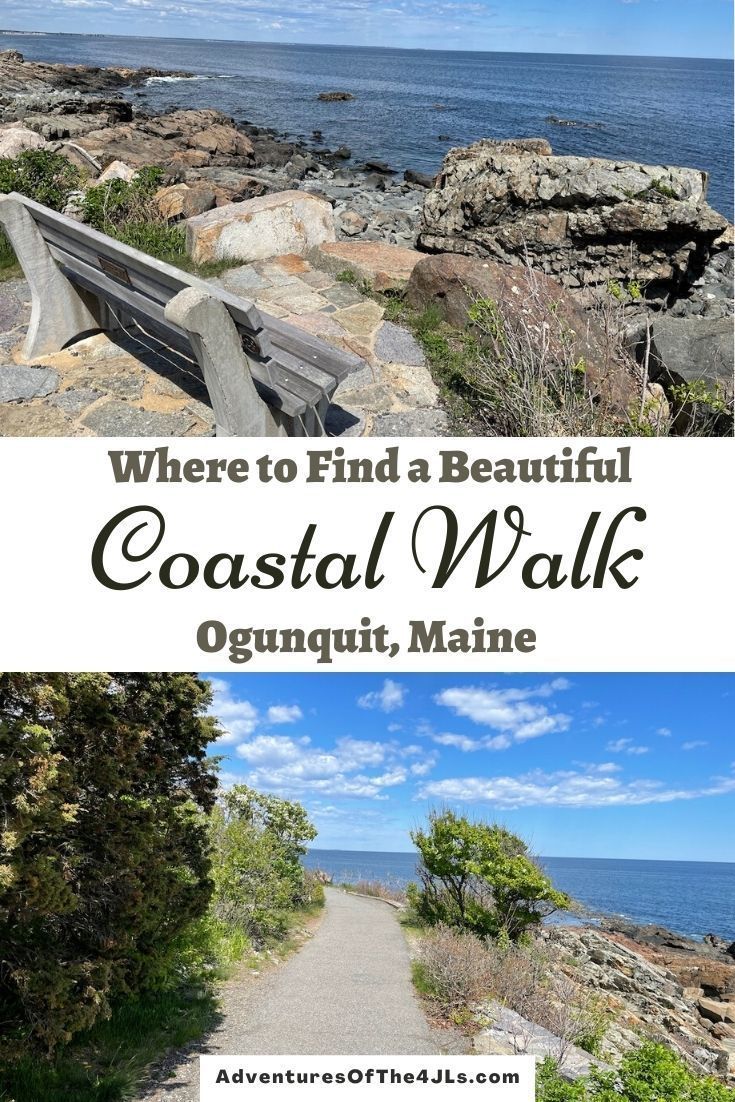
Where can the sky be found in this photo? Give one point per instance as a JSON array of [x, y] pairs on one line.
[[676, 28], [611, 765]]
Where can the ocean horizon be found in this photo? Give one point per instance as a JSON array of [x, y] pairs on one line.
[[653, 110], [691, 898]]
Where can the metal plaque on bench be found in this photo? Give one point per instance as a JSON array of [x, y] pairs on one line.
[[111, 268]]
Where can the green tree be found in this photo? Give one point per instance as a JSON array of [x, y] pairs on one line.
[[257, 842], [104, 859], [480, 877]]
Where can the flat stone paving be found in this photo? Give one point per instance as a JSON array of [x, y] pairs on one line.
[[348, 991], [98, 387]]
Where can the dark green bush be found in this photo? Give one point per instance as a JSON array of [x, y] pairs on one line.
[[104, 858], [38, 174]]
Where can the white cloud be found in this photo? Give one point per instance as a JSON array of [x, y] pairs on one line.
[[459, 742], [625, 746], [393, 777], [388, 699], [514, 712], [238, 718], [695, 744], [665, 732], [351, 767], [284, 713], [593, 787]]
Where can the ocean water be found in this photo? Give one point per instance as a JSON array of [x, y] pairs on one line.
[[411, 106], [690, 897]]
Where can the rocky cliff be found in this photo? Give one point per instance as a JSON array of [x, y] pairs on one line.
[[583, 220], [657, 985]]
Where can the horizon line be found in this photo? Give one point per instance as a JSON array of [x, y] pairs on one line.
[[541, 857], [361, 46]]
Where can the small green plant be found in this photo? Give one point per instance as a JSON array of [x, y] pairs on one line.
[[155, 238], [127, 211], [45, 177], [698, 392], [9, 267], [663, 189], [393, 307], [486, 313], [632, 290], [347, 276]]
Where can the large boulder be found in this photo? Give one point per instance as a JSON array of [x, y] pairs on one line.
[[187, 139], [272, 225], [181, 201], [17, 139], [696, 354], [222, 139], [694, 349], [384, 267], [535, 302], [584, 220]]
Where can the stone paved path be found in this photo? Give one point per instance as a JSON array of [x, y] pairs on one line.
[[347, 991], [100, 388]]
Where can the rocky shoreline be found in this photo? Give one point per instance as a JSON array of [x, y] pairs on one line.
[[652, 985], [234, 160], [541, 235]]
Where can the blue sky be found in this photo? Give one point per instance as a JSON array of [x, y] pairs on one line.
[[688, 28], [636, 766]]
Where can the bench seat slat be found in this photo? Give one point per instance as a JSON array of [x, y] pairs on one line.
[[311, 349]]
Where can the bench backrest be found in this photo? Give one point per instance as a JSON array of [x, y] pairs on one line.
[[291, 369]]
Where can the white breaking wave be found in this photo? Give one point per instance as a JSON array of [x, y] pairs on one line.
[[174, 79]]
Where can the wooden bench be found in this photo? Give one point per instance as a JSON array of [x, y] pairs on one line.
[[264, 376]]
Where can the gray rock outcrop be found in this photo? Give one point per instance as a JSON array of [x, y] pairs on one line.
[[655, 991], [583, 220]]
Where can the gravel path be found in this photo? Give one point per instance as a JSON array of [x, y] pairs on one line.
[[348, 991]]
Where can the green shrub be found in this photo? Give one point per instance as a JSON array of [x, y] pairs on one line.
[[110, 206], [127, 211], [104, 861], [313, 890], [38, 174], [46, 177], [155, 238], [257, 842], [653, 1073], [663, 189], [479, 877]]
